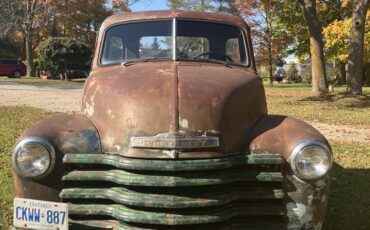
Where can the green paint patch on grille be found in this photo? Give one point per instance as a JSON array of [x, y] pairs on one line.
[[172, 165], [172, 192], [123, 213], [221, 196], [135, 179]]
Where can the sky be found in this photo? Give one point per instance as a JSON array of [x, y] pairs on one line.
[[149, 5]]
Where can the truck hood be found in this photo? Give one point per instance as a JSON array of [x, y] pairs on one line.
[[154, 98]]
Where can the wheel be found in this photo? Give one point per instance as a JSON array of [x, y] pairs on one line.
[[17, 74]]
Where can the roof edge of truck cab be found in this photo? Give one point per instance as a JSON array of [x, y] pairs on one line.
[[165, 14]]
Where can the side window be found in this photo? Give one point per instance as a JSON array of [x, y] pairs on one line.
[[10, 62], [233, 50], [155, 46], [115, 49]]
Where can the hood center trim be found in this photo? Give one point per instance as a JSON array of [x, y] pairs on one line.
[[174, 141], [175, 95]]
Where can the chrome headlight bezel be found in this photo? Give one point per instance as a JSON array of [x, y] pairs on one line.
[[40, 141], [302, 146]]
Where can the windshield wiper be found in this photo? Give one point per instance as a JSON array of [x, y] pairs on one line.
[[226, 62], [128, 63]]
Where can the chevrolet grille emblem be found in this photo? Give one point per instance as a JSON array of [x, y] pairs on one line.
[[174, 141]]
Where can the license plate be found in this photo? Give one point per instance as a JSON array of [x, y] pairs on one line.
[[37, 214]]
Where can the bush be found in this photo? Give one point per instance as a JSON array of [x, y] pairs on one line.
[[306, 74], [292, 73], [60, 55], [9, 50]]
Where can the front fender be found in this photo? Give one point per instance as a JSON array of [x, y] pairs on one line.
[[305, 202], [280, 134], [67, 134]]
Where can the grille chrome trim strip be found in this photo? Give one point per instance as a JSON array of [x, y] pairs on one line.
[[126, 214], [126, 196], [128, 178], [117, 225], [173, 165]]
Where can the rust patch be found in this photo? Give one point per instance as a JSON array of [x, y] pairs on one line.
[[306, 202], [280, 134], [148, 102], [67, 134]]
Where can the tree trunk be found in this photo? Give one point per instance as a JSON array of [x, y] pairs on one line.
[[269, 41], [319, 80], [29, 54], [367, 74], [270, 65], [356, 52], [342, 73]]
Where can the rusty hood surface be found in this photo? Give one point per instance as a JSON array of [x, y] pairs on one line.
[[147, 99]]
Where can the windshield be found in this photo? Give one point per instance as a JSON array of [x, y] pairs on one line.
[[195, 41]]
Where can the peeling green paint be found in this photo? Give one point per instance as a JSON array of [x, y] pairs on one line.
[[174, 192], [119, 225], [126, 196], [123, 213], [172, 165], [135, 179]]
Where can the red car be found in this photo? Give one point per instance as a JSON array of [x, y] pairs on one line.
[[12, 68]]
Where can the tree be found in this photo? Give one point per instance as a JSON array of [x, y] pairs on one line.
[[155, 45], [292, 17], [26, 15], [337, 36], [270, 38], [220, 6], [356, 51], [319, 79], [197, 5], [336, 23], [84, 17], [59, 55], [39, 19], [9, 49]]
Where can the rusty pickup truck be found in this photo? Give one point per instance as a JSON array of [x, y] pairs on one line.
[[173, 134]]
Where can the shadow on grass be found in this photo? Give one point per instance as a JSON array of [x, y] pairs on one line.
[[298, 85], [349, 199], [344, 99], [79, 80]]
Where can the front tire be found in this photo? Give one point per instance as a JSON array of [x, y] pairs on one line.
[[17, 74]]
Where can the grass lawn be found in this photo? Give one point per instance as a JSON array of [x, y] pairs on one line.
[[13, 120], [34, 80], [349, 199], [296, 101]]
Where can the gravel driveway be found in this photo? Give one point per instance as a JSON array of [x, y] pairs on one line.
[[60, 98], [67, 99]]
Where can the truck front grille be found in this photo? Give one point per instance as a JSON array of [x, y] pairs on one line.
[[114, 192]]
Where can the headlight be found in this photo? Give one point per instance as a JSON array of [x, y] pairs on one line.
[[33, 157], [311, 160]]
